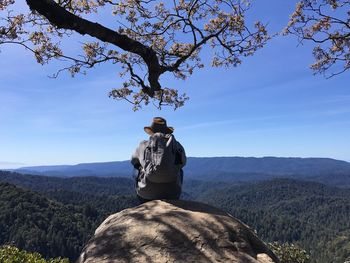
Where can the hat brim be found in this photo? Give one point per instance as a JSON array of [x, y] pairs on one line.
[[149, 130]]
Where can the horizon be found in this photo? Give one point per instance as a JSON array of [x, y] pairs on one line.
[[271, 105], [20, 166]]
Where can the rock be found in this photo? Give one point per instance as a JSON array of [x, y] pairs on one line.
[[174, 231]]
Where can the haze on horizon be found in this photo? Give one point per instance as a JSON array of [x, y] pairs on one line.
[[271, 105]]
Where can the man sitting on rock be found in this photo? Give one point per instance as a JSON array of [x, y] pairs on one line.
[[159, 162]]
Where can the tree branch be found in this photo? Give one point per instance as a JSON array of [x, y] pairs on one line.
[[63, 19]]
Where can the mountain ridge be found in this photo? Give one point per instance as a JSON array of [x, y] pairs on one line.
[[224, 169], [268, 164]]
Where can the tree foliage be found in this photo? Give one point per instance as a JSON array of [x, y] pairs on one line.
[[148, 39], [289, 253], [11, 254], [327, 24]]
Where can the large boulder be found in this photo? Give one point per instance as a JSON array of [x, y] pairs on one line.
[[174, 231]]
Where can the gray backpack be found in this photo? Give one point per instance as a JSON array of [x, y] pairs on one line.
[[160, 159]]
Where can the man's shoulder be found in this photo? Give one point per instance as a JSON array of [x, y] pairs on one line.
[[143, 144], [179, 144], [140, 149]]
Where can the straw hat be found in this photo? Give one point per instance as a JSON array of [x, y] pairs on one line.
[[158, 125]]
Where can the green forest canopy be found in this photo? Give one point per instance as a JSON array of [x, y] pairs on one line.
[[59, 220]]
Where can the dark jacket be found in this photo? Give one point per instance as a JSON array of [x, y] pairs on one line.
[[150, 190]]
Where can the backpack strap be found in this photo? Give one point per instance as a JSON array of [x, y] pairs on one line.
[[173, 141]]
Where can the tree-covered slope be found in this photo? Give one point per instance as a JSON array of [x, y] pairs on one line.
[[85, 185], [314, 215], [76, 189], [32, 222]]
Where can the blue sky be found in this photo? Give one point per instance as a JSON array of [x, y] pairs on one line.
[[272, 105]]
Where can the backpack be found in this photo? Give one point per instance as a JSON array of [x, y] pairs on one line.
[[161, 159]]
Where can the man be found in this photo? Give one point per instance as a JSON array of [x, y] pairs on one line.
[[159, 162]]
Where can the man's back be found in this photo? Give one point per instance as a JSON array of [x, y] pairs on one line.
[[159, 162]]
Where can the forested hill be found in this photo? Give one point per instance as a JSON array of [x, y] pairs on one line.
[[33, 222], [313, 215], [85, 185]]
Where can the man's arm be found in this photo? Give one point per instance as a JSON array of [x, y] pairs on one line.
[[135, 161], [181, 155], [138, 155]]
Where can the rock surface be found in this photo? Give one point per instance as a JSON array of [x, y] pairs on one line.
[[174, 231]]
